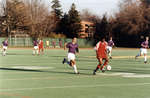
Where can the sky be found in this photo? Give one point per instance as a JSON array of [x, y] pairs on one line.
[[99, 7]]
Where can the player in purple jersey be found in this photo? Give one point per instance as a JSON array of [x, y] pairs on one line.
[[35, 49], [5, 45], [143, 49], [72, 49], [109, 47]]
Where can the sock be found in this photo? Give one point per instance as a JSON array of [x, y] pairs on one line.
[[145, 58], [75, 69], [138, 55], [98, 67], [68, 62], [110, 54], [4, 53], [105, 63], [33, 51]]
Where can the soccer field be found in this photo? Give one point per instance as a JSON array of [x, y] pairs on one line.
[[23, 75]]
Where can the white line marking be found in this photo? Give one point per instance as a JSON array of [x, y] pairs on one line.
[[76, 86]]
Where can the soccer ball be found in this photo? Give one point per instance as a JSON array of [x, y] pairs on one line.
[[108, 67]]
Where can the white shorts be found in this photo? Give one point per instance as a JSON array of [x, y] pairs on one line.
[[5, 47], [36, 47], [109, 48], [143, 51], [71, 56]]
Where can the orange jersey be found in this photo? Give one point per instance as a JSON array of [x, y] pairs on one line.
[[101, 48]]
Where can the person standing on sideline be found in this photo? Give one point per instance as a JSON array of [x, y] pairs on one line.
[[60, 43], [72, 49]]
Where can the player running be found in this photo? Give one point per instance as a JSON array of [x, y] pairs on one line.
[[41, 47], [109, 47], [101, 52], [143, 50], [5, 45], [35, 50], [72, 49]]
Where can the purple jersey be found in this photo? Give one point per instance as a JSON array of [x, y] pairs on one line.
[[110, 43], [145, 44], [72, 47], [35, 43], [5, 43]]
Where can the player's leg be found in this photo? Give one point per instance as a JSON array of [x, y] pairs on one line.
[[42, 50], [110, 49], [140, 54], [34, 49], [104, 65], [145, 58], [4, 52], [68, 61], [145, 55], [100, 60], [39, 49], [73, 64]]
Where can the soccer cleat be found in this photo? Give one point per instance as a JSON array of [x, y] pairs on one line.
[[110, 57], [94, 72], [77, 73], [64, 61], [145, 62], [136, 57], [103, 70]]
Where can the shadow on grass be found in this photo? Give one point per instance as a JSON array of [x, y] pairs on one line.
[[19, 69], [31, 70]]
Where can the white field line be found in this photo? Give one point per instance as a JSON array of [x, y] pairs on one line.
[[77, 86]]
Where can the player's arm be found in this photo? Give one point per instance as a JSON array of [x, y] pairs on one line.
[[142, 45], [77, 50]]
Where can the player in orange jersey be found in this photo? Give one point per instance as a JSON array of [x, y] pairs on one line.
[[41, 46], [101, 52]]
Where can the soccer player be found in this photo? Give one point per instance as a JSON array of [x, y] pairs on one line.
[[101, 52], [35, 50], [41, 46], [5, 45], [72, 49], [109, 47], [53, 43], [143, 50], [60, 43]]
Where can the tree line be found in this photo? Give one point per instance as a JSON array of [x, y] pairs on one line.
[[128, 26]]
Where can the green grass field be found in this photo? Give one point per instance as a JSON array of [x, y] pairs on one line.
[[25, 76]]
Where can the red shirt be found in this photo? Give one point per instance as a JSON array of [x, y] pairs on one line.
[[101, 49]]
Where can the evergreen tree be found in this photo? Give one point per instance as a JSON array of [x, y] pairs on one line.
[[56, 9], [64, 24], [74, 22], [101, 28]]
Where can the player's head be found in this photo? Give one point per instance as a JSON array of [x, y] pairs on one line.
[[74, 40], [147, 38], [102, 38], [110, 38]]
